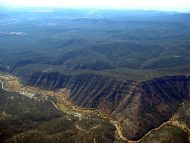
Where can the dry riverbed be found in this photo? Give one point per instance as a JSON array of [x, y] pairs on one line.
[[12, 83]]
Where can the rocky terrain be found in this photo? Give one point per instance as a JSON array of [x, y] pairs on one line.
[[94, 76], [139, 106], [36, 115]]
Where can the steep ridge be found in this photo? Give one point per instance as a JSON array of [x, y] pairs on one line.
[[152, 103], [87, 90], [139, 106]]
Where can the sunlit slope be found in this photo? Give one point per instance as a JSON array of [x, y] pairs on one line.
[[176, 130], [26, 118]]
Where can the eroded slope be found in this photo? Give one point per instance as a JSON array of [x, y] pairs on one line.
[[139, 106]]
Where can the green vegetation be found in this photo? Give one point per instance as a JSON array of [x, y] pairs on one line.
[[167, 134], [24, 119], [135, 45], [121, 44], [183, 114]]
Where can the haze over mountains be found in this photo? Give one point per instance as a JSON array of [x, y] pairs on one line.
[[130, 65], [95, 41], [161, 5]]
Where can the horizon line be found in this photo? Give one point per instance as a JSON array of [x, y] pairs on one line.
[[94, 8]]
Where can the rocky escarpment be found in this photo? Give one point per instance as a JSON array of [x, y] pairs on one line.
[[87, 90], [152, 103], [139, 106]]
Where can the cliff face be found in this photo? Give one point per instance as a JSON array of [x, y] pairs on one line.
[[151, 103], [139, 106], [87, 90]]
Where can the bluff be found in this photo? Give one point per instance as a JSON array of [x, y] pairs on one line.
[[138, 105]]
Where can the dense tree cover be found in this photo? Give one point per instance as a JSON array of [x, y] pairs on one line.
[[24, 119], [121, 44]]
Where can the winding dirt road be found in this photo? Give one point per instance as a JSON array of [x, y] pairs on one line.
[[14, 85]]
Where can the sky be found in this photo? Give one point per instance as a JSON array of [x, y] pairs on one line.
[[166, 5]]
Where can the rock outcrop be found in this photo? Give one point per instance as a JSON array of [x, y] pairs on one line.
[[139, 106]]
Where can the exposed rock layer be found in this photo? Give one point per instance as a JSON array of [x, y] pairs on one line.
[[139, 106]]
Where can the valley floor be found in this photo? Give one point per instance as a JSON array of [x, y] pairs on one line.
[[59, 99]]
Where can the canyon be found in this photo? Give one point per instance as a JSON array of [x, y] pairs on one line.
[[138, 105], [100, 76]]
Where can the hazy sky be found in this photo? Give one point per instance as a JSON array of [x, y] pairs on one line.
[[168, 5]]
